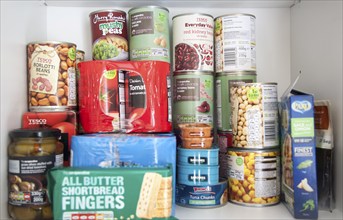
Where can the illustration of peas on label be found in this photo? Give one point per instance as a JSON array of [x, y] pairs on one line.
[[44, 70]]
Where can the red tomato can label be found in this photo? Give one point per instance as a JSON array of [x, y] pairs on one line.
[[193, 42], [51, 75], [125, 96], [109, 35], [235, 43]]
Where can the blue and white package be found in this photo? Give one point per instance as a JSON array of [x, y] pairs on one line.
[[197, 156], [197, 175], [113, 150], [298, 145]]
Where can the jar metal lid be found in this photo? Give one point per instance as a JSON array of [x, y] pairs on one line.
[[35, 133]]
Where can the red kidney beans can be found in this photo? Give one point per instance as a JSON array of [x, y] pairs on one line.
[[193, 42], [109, 35], [235, 43], [51, 76]]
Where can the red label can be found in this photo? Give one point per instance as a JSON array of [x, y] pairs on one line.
[[109, 35]]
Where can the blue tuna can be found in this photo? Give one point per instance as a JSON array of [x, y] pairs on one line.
[[197, 156], [197, 175]]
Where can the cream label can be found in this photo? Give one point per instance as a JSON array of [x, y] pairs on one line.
[[235, 43], [254, 176], [254, 115], [193, 42], [149, 33], [109, 35], [51, 76], [224, 82], [193, 98]]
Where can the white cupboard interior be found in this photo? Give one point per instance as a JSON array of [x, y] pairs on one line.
[[291, 36]]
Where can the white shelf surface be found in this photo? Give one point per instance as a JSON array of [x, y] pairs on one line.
[[233, 211]]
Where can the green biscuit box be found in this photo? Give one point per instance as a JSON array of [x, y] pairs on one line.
[[111, 193]]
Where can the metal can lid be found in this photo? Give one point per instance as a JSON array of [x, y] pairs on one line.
[[149, 6], [254, 150], [235, 14], [52, 42], [35, 133], [107, 10], [195, 72], [237, 73], [180, 15]]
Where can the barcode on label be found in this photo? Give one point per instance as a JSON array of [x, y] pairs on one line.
[[230, 56], [270, 130]]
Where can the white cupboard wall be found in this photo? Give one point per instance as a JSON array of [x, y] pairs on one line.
[[291, 36]]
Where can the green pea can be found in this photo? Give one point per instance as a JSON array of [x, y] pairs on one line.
[[224, 81], [149, 33], [193, 97]]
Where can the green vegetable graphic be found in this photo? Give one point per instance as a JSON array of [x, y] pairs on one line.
[[304, 164], [308, 205]]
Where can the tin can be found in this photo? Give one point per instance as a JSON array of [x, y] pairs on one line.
[[193, 98], [224, 82], [254, 176], [255, 115], [207, 196], [193, 42], [51, 76], [199, 175], [31, 153], [197, 156], [109, 35], [224, 139], [149, 33], [235, 43]]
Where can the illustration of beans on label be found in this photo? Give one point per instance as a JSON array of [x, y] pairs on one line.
[[205, 106], [186, 57]]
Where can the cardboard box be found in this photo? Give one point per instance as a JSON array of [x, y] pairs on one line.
[[298, 146], [111, 193], [65, 121], [112, 150]]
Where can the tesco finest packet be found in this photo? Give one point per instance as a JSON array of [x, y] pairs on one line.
[[298, 147], [63, 120]]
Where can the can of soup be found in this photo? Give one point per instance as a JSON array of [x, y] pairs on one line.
[[109, 35], [51, 76], [193, 42], [254, 115], [224, 82], [149, 33], [235, 43], [193, 98], [254, 176]]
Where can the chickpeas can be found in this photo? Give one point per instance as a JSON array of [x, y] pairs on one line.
[[31, 153], [51, 76], [149, 33], [254, 176], [109, 35], [224, 82], [193, 42], [254, 115], [235, 42], [193, 98]]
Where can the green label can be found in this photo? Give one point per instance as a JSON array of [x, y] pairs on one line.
[[149, 33], [223, 83], [193, 98]]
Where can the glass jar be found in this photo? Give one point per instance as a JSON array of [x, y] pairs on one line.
[[31, 153]]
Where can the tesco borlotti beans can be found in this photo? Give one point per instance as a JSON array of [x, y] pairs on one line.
[[224, 82], [254, 115], [149, 33], [51, 76], [254, 176], [193, 42], [235, 42]]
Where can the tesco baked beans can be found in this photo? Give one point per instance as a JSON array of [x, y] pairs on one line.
[[51, 76], [254, 176], [109, 35], [254, 115], [193, 42], [224, 82], [193, 97], [235, 43], [149, 33]]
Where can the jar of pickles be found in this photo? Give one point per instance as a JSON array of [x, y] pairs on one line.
[[31, 153]]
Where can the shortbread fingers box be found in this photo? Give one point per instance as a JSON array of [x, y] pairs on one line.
[[298, 144], [111, 193], [109, 150]]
